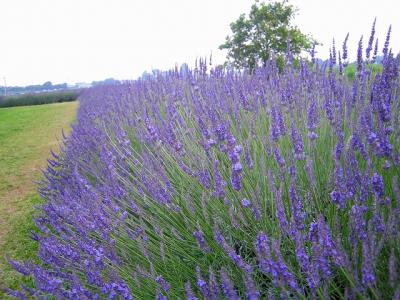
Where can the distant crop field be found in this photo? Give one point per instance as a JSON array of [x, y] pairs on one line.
[[40, 98], [26, 136]]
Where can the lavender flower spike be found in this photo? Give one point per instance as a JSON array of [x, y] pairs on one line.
[[370, 41], [227, 286]]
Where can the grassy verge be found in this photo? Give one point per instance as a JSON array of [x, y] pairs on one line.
[[26, 136]]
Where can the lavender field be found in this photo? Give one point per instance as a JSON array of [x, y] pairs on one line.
[[213, 183]]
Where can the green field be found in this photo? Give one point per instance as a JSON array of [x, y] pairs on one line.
[[26, 136]]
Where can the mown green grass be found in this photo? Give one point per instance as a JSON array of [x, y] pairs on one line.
[[27, 134]]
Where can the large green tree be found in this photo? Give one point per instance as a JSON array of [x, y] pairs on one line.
[[267, 29]]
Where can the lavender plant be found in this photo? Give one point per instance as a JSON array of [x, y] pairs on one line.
[[213, 184]]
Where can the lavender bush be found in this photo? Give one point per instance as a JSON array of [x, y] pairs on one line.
[[219, 184]]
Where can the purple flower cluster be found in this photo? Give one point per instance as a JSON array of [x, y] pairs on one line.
[[236, 258], [272, 263], [220, 183]]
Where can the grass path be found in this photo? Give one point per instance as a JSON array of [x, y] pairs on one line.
[[26, 136]]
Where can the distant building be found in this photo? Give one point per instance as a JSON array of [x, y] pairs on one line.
[[81, 85]]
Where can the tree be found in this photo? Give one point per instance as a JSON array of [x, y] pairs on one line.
[[267, 29], [47, 85]]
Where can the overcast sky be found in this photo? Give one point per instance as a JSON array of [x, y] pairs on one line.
[[84, 40]]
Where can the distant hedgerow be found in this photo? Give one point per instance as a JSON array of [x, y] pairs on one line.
[[40, 98], [225, 184]]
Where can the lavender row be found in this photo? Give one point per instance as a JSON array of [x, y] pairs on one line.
[[217, 183]]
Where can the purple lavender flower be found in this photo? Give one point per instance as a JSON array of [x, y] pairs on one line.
[[370, 41], [236, 258], [310, 172], [234, 151], [329, 109], [189, 293], [251, 291], [277, 124], [152, 132], [378, 185], [277, 267], [236, 180], [312, 53], [339, 146], [340, 64], [360, 57], [297, 208], [280, 212], [202, 284], [385, 50], [220, 132], [245, 202], [16, 294], [297, 141], [274, 128], [338, 197], [160, 296], [358, 214], [205, 179], [213, 285], [248, 159], [304, 262], [367, 269], [220, 183], [281, 123], [283, 271], [263, 252], [279, 158], [203, 128], [227, 286], [237, 167], [345, 50], [20, 268], [333, 52], [163, 283], [393, 274], [201, 242]]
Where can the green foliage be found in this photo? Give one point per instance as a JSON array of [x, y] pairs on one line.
[[351, 70], [267, 29], [37, 99]]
